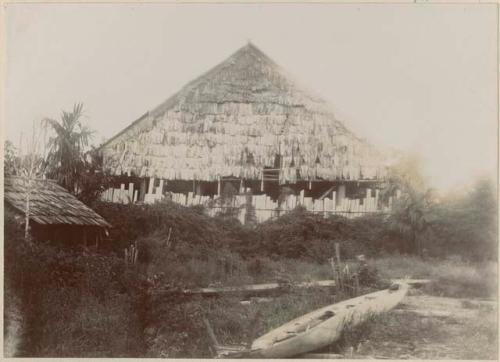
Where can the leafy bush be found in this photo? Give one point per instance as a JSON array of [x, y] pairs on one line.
[[301, 234], [467, 224], [72, 303], [187, 224]]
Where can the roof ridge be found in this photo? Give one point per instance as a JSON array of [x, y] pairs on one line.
[[219, 66]]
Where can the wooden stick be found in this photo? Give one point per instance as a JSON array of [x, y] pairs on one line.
[[337, 254], [136, 255], [211, 334], [167, 241]]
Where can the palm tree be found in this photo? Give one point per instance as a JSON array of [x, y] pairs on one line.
[[66, 149]]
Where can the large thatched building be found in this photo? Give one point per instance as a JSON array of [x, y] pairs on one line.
[[247, 122]]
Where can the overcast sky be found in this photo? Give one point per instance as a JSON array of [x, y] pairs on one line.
[[421, 78]]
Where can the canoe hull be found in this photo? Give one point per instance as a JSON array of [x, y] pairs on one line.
[[324, 326]]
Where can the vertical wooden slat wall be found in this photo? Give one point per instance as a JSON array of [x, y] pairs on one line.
[[265, 207]]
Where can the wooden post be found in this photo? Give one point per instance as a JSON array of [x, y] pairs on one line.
[[334, 200], [337, 255], [218, 186], [337, 252], [340, 194], [151, 185], [167, 240], [136, 253], [332, 264], [335, 272], [356, 284], [122, 193], [199, 188], [143, 190], [130, 192], [159, 190]]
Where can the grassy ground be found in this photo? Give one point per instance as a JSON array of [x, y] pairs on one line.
[[452, 330], [392, 335], [450, 277]]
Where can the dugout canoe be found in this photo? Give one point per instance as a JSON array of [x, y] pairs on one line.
[[324, 326]]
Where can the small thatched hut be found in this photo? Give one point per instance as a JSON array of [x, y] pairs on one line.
[[55, 214], [248, 122]]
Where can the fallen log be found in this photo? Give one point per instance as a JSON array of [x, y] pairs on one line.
[[250, 290], [266, 289]]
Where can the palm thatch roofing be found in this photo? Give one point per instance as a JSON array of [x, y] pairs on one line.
[[50, 204], [237, 119]]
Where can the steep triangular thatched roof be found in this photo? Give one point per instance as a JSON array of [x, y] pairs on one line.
[[50, 204], [233, 121]]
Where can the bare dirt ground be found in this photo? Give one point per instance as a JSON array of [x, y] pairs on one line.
[[430, 327]]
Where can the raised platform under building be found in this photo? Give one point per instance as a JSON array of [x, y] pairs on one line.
[[256, 201]]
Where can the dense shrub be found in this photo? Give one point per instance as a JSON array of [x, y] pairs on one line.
[[72, 303], [187, 224], [300, 234], [466, 225]]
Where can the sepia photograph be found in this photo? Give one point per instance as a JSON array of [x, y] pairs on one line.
[[250, 180]]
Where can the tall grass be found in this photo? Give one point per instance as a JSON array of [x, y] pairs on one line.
[[451, 277]]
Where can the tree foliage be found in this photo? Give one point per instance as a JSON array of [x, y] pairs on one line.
[[410, 212], [93, 181], [71, 161], [467, 223], [66, 161]]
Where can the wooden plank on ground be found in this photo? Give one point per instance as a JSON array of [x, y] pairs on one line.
[[254, 289], [268, 288]]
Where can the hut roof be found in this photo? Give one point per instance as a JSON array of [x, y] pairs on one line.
[[50, 204], [233, 121]]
